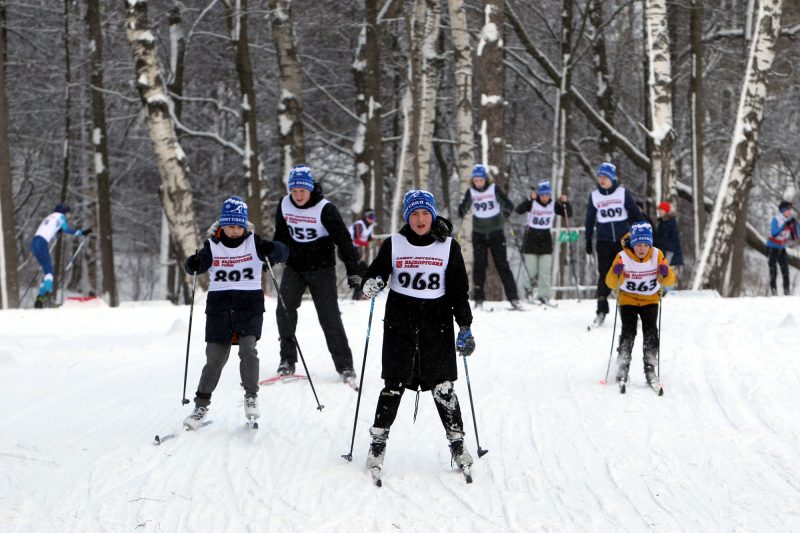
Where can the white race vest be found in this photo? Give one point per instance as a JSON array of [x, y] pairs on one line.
[[360, 233], [50, 226], [235, 269], [305, 225], [418, 271], [541, 216], [640, 277], [610, 207], [484, 204]]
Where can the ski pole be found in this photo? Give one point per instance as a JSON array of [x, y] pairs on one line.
[[572, 264], [613, 334], [184, 401], [522, 254], [481, 451], [70, 263], [320, 407], [658, 349], [349, 456]]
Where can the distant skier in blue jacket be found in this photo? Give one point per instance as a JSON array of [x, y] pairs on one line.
[[783, 228], [40, 246], [611, 210]]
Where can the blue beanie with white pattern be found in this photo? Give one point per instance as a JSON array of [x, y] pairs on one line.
[[234, 212], [608, 170], [418, 199], [300, 178], [641, 233]]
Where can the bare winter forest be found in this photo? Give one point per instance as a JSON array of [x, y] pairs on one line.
[[144, 116]]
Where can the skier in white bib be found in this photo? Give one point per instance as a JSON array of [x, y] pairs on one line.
[[611, 210], [311, 226], [56, 221]]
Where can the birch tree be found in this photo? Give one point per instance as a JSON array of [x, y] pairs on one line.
[[237, 15], [9, 286], [659, 85], [290, 100], [100, 145], [176, 193], [465, 155], [419, 101], [713, 268]]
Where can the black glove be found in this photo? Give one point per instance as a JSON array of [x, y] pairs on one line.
[[354, 281], [790, 221], [84, 232], [192, 264], [589, 247], [279, 252]]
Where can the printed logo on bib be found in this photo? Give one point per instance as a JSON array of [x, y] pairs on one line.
[[419, 270], [610, 208], [541, 216], [235, 268], [305, 225], [641, 278], [230, 272], [421, 280], [484, 203]]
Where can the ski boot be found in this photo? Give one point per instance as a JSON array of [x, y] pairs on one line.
[[598, 320], [478, 304], [650, 375], [251, 407], [285, 368], [458, 455], [377, 447], [195, 420], [348, 376], [516, 305]]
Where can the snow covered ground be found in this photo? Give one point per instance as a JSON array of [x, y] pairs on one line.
[[84, 391]]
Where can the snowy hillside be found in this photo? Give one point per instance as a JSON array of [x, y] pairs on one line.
[[84, 391]]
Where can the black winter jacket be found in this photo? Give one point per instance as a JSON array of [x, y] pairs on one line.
[[540, 241], [611, 231], [318, 254], [418, 336], [240, 312]]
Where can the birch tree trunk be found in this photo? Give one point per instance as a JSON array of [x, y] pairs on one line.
[[100, 144], [604, 93], [9, 285], [429, 66], [465, 155], [696, 122], [176, 193], [659, 88], [713, 269], [290, 103], [368, 145], [237, 26]]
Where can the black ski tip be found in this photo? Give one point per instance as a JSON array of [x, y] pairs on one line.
[[661, 391], [348, 457], [157, 441], [482, 452], [622, 389], [468, 478], [378, 483]]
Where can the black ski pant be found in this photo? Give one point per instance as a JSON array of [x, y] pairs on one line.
[[496, 243], [322, 285], [606, 252], [444, 396], [216, 356], [629, 315], [775, 257]]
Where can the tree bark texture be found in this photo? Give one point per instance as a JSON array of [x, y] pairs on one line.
[[604, 95], [696, 122], [290, 101], [490, 84], [100, 145], [9, 285], [659, 96], [738, 175], [176, 193]]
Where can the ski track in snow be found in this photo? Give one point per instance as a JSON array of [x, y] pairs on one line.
[[86, 390]]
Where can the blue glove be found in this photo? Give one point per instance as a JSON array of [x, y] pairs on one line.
[[465, 342]]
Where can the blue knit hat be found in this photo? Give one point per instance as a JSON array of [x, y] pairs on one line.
[[300, 178], [608, 170], [418, 199], [62, 208], [479, 171], [234, 213], [545, 188], [641, 233]]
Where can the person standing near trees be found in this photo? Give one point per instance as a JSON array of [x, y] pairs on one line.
[[537, 248], [783, 228], [610, 210], [311, 226], [667, 237], [490, 206]]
